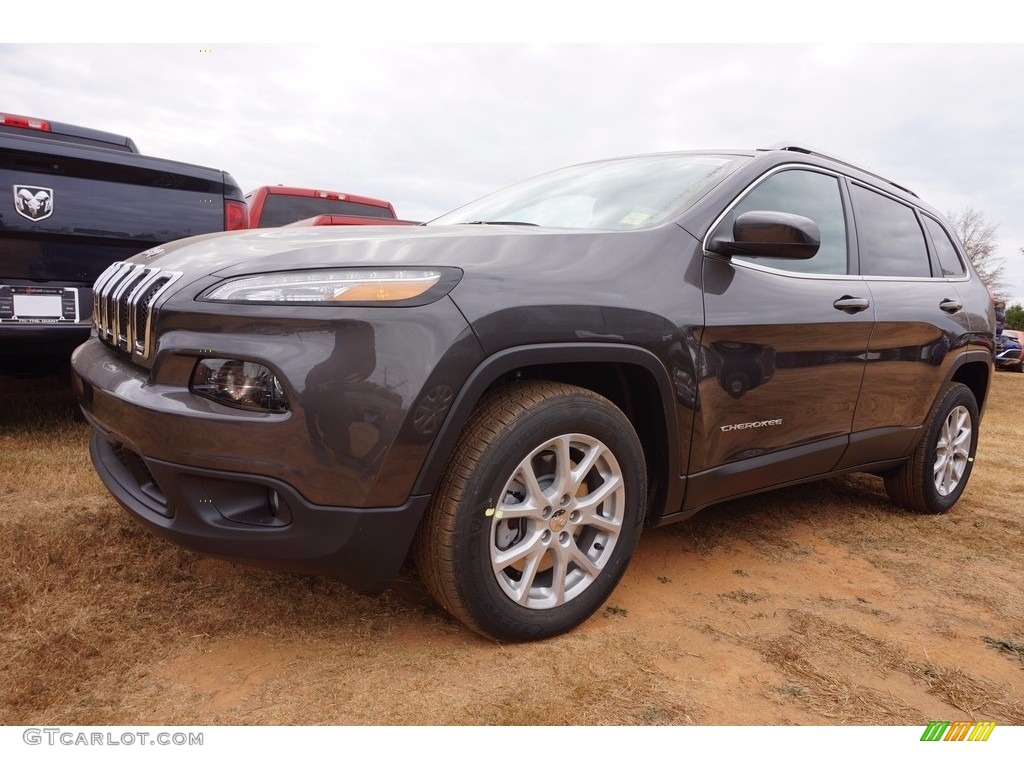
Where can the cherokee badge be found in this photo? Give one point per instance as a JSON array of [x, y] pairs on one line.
[[752, 425]]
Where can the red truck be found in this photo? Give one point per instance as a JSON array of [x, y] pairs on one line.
[[281, 206]]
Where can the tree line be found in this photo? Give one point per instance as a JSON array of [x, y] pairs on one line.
[[1015, 317], [978, 237]]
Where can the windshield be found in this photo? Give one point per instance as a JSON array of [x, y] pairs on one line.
[[629, 193]]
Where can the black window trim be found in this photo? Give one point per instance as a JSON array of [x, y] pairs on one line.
[[933, 260], [957, 249]]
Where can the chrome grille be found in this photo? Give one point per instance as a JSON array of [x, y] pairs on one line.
[[122, 306]]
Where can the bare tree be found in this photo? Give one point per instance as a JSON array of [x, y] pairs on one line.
[[978, 238]]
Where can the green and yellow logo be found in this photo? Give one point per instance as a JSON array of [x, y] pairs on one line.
[[944, 730]]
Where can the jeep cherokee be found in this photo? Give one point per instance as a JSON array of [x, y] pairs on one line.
[[513, 391]]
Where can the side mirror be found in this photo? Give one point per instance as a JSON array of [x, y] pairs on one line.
[[769, 233]]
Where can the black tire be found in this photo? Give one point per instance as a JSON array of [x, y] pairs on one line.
[[938, 470], [507, 493]]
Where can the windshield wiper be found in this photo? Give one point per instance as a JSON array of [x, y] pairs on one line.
[[514, 223]]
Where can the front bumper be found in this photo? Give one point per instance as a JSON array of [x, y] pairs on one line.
[[325, 487], [258, 520], [40, 339]]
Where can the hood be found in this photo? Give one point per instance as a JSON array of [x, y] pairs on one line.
[[229, 254], [501, 264]]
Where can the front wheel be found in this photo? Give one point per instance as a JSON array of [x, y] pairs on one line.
[[937, 472], [538, 513]]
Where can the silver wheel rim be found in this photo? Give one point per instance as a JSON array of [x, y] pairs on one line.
[[952, 451], [557, 521]]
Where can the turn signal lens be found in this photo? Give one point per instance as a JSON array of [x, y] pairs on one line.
[[385, 290]]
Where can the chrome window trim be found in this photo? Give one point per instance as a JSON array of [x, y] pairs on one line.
[[750, 188], [820, 276], [817, 275]]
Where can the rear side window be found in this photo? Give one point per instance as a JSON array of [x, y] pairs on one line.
[[891, 240], [949, 260], [804, 193]]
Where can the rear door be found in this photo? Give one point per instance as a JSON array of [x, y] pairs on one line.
[[912, 271]]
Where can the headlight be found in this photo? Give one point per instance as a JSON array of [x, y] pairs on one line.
[[239, 383], [344, 286]]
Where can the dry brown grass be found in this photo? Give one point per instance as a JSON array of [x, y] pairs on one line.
[[819, 604]]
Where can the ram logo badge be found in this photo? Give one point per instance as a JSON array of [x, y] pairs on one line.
[[34, 203]]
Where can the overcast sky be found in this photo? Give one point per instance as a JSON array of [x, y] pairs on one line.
[[430, 126]]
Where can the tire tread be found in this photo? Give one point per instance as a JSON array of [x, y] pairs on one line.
[[908, 485], [435, 548]]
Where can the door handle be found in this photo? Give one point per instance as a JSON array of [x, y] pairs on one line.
[[950, 305], [851, 305]]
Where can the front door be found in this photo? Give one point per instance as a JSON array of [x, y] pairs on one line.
[[784, 347]]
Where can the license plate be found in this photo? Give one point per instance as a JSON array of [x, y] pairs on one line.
[[31, 304]]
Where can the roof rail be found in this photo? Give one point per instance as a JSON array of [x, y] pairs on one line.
[[786, 147]]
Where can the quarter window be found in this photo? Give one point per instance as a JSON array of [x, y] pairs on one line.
[[945, 250], [890, 236], [804, 193]]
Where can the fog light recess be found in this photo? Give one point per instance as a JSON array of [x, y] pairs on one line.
[[240, 384]]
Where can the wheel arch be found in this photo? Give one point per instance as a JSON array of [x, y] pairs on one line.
[[975, 371], [633, 378]]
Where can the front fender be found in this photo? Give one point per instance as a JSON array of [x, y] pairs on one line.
[[508, 361]]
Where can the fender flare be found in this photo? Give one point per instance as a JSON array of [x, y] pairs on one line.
[[508, 360], [970, 357]]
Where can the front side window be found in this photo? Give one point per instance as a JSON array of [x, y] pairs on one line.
[[890, 237], [805, 193]]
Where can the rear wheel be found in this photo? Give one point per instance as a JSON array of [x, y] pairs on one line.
[[935, 475], [538, 513]]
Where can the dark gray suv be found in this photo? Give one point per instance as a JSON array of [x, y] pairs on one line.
[[513, 391]]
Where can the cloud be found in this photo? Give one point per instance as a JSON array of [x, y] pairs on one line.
[[431, 126]]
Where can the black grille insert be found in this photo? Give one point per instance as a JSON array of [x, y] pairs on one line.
[[140, 473]]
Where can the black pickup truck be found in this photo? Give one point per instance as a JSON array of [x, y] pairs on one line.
[[74, 200]]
